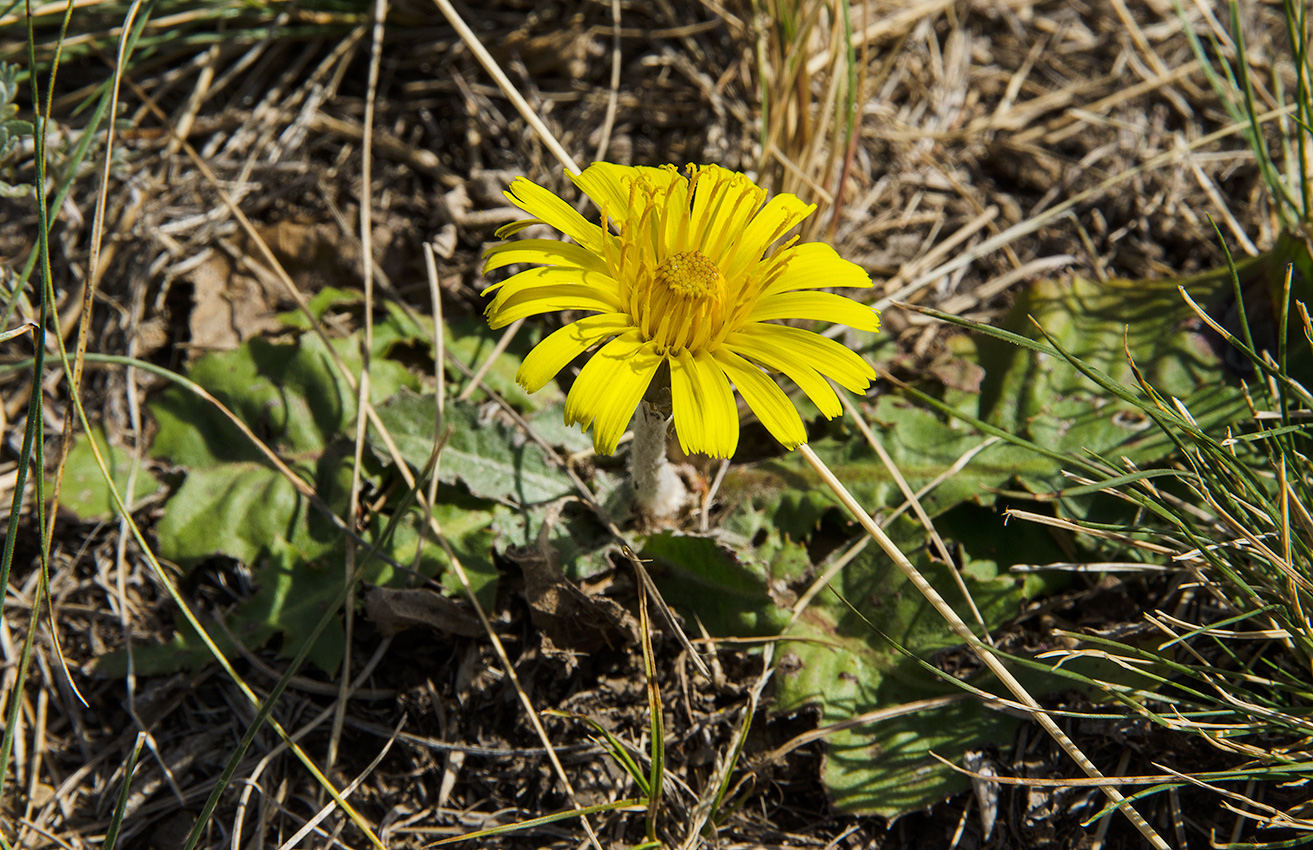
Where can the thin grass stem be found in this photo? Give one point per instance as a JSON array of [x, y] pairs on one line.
[[982, 650]]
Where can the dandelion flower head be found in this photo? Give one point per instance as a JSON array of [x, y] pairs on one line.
[[680, 271]]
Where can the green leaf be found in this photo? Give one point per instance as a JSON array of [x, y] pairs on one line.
[[490, 459], [243, 510], [290, 598], [1046, 399], [253, 514], [581, 544], [922, 446], [471, 341], [467, 523], [726, 592], [85, 492], [849, 669], [292, 595], [291, 395], [846, 665], [886, 768], [549, 424], [328, 300], [393, 325], [247, 513], [836, 660], [233, 504]]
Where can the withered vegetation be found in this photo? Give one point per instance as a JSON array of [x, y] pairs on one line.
[[988, 144]]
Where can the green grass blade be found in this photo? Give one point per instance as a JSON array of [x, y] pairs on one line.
[[537, 822], [121, 807], [266, 706]]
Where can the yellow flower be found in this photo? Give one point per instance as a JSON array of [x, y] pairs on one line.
[[679, 272]]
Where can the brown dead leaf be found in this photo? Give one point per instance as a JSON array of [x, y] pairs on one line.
[[315, 254], [959, 374], [234, 302], [568, 619], [229, 305], [396, 609]]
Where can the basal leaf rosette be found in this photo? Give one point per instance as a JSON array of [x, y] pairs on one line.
[[680, 271]]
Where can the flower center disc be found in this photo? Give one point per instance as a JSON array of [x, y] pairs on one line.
[[690, 275]]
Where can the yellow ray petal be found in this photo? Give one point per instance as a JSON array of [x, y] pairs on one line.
[[552, 252], [770, 223], [548, 299], [542, 204], [824, 355], [610, 386], [736, 200], [506, 231], [815, 265], [805, 376], [690, 427], [766, 399], [607, 185], [552, 276], [674, 237], [823, 306], [706, 418], [558, 349]]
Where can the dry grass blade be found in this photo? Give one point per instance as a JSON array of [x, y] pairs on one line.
[[981, 650], [313, 823], [439, 336], [989, 144], [1102, 533], [507, 87], [89, 290], [380, 11], [809, 84], [1035, 222], [914, 501], [532, 823], [20, 331]]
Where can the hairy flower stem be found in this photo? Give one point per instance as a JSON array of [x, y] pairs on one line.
[[658, 491]]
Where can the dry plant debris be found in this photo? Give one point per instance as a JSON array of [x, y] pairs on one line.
[[990, 144]]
